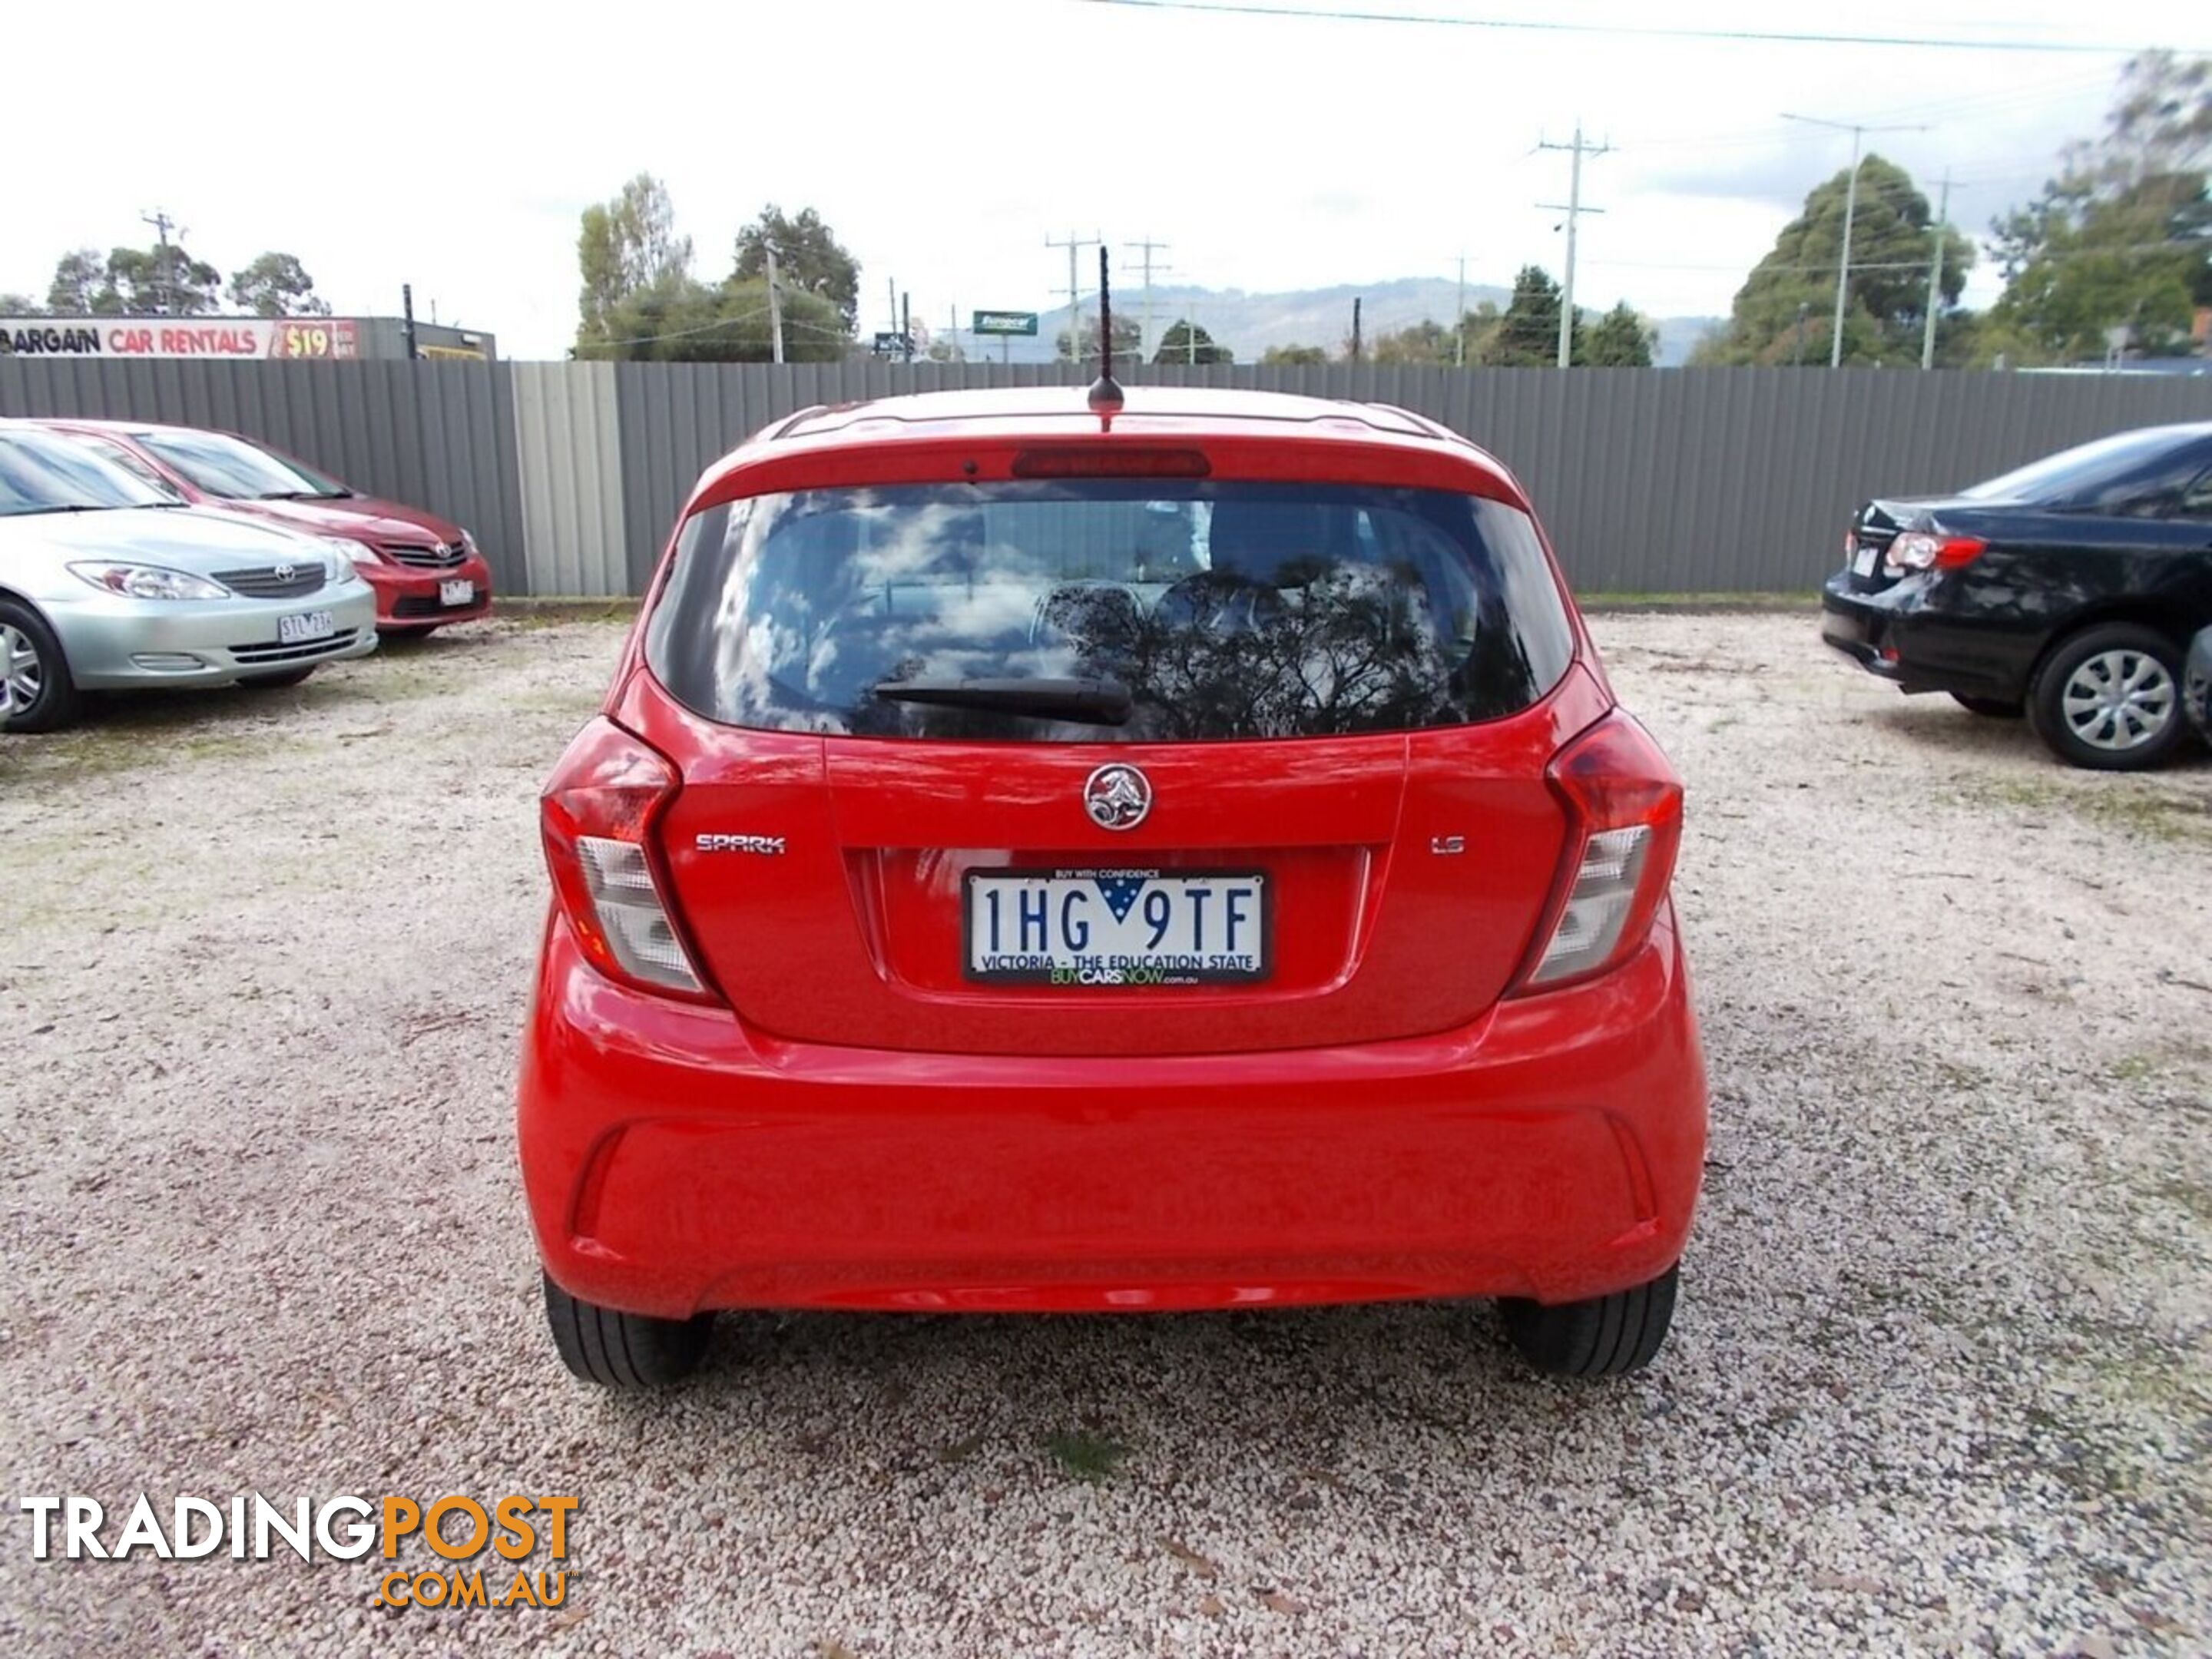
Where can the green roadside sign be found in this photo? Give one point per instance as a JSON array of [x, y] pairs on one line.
[[1005, 322]]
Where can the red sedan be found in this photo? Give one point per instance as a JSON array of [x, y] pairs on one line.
[[426, 572], [1033, 862]]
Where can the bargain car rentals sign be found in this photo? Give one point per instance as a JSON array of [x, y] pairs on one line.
[[177, 336]]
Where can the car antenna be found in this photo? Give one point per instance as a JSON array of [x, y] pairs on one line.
[[1105, 398]]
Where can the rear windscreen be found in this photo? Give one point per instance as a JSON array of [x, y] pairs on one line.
[[1098, 610]]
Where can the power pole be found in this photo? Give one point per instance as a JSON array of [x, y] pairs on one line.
[[1858, 130], [162, 223], [952, 331], [906, 328], [1355, 329], [1936, 274], [1459, 319], [890, 294], [775, 309], [1145, 308], [407, 319], [1574, 210], [1075, 290]]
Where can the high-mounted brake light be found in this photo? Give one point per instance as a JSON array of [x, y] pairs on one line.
[[1922, 551], [596, 815], [1114, 460], [1624, 826]]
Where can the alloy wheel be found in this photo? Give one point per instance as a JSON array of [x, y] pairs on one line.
[[22, 676], [2118, 700]]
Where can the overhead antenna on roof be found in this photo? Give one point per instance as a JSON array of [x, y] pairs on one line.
[[1105, 398]]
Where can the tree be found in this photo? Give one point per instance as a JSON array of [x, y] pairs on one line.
[[808, 257], [1425, 342], [1297, 355], [1186, 342], [1126, 342], [1620, 339], [1527, 334], [2122, 236], [627, 245], [18, 305], [162, 281], [275, 285], [679, 319], [81, 287], [1784, 312]]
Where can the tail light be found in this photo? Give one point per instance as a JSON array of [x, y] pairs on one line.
[[1623, 825], [1922, 550], [596, 816]]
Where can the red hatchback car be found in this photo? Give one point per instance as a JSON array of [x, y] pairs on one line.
[[1028, 862], [426, 572]]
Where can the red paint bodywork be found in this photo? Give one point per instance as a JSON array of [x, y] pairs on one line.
[[845, 1122], [381, 523]]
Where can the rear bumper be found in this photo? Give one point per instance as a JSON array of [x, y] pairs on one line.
[[1905, 635], [114, 643], [408, 597], [675, 1163]]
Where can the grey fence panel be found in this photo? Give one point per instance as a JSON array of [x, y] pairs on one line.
[[436, 435], [1692, 480]]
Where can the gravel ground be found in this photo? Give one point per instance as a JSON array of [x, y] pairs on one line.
[[1939, 1382]]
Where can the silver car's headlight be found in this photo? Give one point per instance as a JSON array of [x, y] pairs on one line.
[[148, 582], [349, 553]]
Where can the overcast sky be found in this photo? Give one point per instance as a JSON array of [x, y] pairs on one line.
[[454, 148]]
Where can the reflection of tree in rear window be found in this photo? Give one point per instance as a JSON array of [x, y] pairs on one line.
[[1201, 611]]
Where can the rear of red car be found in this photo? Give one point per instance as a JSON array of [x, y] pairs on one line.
[[1028, 866]]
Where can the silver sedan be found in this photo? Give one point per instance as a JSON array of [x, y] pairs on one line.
[[107, 584]]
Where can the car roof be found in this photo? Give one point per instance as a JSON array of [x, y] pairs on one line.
[[1163, 410], [86, 424], [1189, 413]]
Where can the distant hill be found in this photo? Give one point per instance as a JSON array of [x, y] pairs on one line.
[[1248, 323]]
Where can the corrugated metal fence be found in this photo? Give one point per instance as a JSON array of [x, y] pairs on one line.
[[1650, 480]]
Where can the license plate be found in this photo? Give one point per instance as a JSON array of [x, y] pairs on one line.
[[457, 592], [308, 626], [1120, 928], [1863, 565]]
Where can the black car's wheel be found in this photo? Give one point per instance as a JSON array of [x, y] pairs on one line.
[[36, 691], [2109, 698], [277, 682], [620, 1350], [1605, 1336], [1995, 708]]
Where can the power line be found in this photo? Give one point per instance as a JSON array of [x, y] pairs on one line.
[[1535, 25], [1858, 130], [1075, 291], [1574, 210]]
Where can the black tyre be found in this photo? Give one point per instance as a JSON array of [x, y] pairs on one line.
[[1995, 708], [2109, 698], [36, 691], [624, 1350], [1606, 1336], [276, 681]]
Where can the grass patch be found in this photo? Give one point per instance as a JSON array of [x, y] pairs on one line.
[[2112, 803], [1088, 1457], [526, 614], [1803, 599]]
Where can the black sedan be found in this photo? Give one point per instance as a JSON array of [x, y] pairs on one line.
[[2069, 591]]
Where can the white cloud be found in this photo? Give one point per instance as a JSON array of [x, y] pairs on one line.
[[453, 147]]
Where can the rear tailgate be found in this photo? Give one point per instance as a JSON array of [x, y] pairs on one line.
[[1409, 872]]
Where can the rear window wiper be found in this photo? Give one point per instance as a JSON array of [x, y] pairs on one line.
[[1090, 701]]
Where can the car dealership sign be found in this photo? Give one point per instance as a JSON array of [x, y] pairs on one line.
[[179, 336]]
